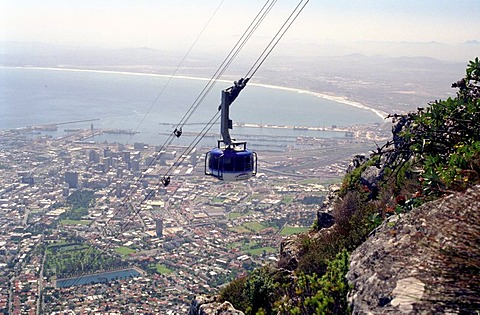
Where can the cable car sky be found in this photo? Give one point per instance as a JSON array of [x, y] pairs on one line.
[[174, 25]]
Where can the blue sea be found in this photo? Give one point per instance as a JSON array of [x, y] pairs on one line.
[[146, 104]]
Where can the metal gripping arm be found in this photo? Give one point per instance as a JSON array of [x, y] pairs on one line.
[[228, 96]]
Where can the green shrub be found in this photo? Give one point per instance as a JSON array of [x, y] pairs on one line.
[[235, 293], [444, 138], [319, 295], [252, 294]]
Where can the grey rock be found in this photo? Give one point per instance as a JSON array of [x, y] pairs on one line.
[[209, 305], [289, 251], [426, 261]]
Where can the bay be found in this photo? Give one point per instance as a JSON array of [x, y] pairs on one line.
[[146, 104]]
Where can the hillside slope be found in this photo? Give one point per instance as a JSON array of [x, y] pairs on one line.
[[422, 189]]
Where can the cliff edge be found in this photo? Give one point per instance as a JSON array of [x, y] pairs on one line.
[[424, 261]]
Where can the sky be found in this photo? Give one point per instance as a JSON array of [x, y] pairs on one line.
[[175, 24]]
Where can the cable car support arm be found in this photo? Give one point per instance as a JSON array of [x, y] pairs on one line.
[[228, 96]]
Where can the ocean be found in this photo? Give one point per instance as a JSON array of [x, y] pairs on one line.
[[142, 103]]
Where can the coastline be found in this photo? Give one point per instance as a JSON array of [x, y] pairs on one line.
[[338, 99]]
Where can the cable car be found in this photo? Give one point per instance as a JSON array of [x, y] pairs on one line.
[[230, 160], [231, 163]]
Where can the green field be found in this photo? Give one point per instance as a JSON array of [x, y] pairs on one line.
[[287, 199], [218, 201], [234, 215], [65, 259], [289, 230], [249, 248], [162, 269], [254, 226], [259, 251], [124, 251], [235, 245]]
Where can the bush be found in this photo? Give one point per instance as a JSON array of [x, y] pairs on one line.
[[319, 295], [235, 293], [253, 294], [444, 139]]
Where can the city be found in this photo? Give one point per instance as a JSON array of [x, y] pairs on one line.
[[89, 227]]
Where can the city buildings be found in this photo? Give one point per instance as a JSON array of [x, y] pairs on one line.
[[187, 238]]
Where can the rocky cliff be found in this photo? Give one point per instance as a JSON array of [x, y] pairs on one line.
[[209, 305], [426, 261], [408, 216]]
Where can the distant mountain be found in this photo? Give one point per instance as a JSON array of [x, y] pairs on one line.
[[134, 59], [472, 42]]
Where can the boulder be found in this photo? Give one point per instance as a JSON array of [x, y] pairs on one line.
[[426, 261], [209, 305]]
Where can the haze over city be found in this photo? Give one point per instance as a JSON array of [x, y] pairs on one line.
[[323, 28]]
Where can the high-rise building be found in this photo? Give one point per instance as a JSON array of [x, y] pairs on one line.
[[71, 178], [28, 179], [135, 164], [193, 157], [139, 146], [159, 227], [67, 160], [94, 157], [126, 158], [107, 161], [118, 189]]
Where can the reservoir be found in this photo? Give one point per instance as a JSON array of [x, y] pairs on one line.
[[98, 278]]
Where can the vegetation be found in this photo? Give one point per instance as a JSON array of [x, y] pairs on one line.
[[79, 201], [162, 269], [261, 250], [433, 151], [239, 229], [68, 259], [254, 226], [124, 251], [312, 294]]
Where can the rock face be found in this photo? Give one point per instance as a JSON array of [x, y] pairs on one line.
[[425, 261], [209, 305]]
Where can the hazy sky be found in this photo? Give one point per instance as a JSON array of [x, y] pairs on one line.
[[175, 24]]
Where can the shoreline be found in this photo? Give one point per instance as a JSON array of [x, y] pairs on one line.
[[338, 99]]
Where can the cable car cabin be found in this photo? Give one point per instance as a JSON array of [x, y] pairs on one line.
[[230, 163]]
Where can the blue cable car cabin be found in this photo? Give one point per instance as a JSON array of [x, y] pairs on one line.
[[232, 160], [230, 163]]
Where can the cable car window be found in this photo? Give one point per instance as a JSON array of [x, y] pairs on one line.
[[228, 164], [213, 162]]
